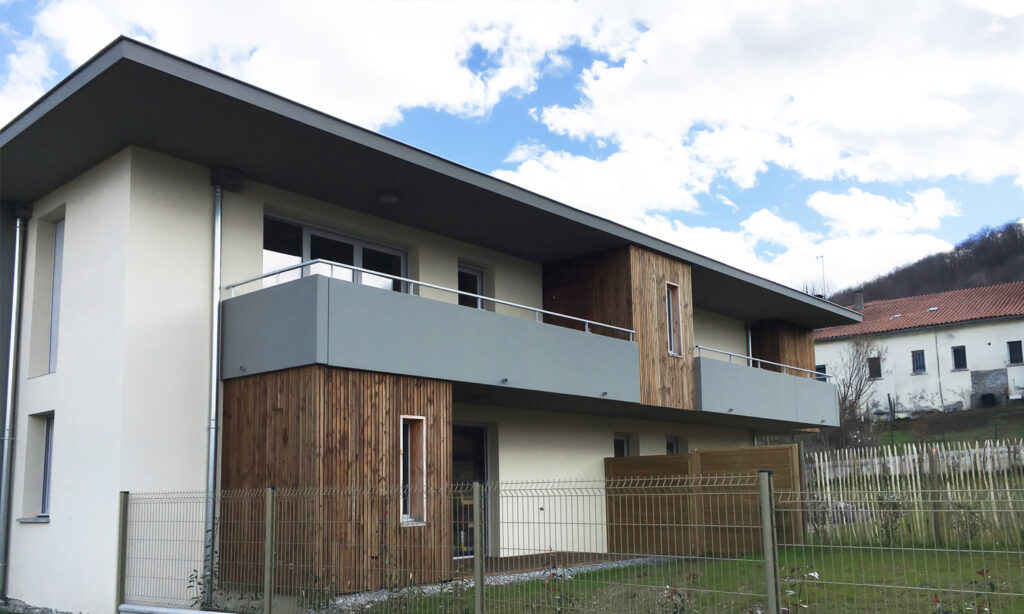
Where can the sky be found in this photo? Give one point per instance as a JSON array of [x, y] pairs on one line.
[[818, 144]]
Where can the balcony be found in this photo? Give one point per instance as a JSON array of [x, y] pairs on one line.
[[321, 319], [745, 386]]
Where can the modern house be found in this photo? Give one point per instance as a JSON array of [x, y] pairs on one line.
[[210, 287], [951, 350]]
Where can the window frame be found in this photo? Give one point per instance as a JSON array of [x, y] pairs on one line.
[[626, 447], [478, 273], [47, 468], [672, 445], [914, 356], [55, 292], [878, 361], [963, 350], [413, 509], [1010, 352], [358, 245], [822, 373], [673, 319]]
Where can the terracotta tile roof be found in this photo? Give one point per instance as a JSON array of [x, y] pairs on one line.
[[999, 301]]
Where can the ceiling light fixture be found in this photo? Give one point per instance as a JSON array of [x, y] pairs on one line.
[[388, 197]]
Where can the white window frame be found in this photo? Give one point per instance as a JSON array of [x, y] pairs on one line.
[[953, 350], [47, 477], [55, 287], [627, 446], [673, 319], [358, 244], [479, 274], [924, 362], [1009, 354], [405, 489]]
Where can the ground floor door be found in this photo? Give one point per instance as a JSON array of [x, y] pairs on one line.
[[469, 464]]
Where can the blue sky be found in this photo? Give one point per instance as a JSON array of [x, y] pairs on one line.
[[761, 137]]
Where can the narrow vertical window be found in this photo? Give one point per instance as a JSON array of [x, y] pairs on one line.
[[672, 312], [917, 361], [44, 506], [959, 357], [58, 264], [1016, 355], [413, 461], [471, 280], [621, 445], [822, 373], [671, 444]]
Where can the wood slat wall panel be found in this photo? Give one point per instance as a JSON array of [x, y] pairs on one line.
[[697, 522], [783, 342], [322, 427], [595, 287], [665, 380]]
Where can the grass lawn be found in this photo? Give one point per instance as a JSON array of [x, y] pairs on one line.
[[815, 579]]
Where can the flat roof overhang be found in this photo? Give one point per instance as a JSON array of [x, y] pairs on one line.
[[134, 94]]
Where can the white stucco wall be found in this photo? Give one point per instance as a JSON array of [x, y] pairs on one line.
[[985, 344], [720, 332], [69, 563]]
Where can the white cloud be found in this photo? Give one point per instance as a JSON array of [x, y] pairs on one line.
[[857, 213], [728, 202], [688, 93]]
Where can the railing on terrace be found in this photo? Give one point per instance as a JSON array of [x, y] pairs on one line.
[[758, 363], [408, 284]]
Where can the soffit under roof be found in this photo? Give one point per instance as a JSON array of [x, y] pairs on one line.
[[132, 94]]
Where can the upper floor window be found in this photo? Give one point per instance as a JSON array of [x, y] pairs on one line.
[[821, 370], [917, 361], [623, 444], [1016, 355], [875, 367], [671, 444], [286, 244], [58, 266], [959, 357], [471, 280], [672, 312]]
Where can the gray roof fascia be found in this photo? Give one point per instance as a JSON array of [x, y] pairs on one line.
[[124, 48]]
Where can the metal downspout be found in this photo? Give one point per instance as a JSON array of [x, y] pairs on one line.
[[211, 458], [9, 409]]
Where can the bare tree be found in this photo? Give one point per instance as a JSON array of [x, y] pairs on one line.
[[854, 385]]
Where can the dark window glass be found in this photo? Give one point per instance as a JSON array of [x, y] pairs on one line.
[[875, 367], [1016, 355], [406, 469], [671, 444], [282, 247], [469, 281], [322, 248], [822, 370], [917, 360], [621, 447], [959, 357], [385, 263]]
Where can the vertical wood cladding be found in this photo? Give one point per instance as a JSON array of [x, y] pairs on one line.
[[783, 342], [595, 287], [326, 428], [665, 380], [626, 287]]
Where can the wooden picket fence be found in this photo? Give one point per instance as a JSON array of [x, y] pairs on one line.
[[945, 493]]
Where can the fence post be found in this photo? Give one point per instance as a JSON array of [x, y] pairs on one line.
[[478, 548], [122, 548], [268, 550], [768, 544], [935, 484]]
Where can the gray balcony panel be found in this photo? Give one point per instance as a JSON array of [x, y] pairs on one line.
[[744, 391], [360, 327]]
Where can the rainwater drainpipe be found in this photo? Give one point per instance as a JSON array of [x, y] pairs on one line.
[[222, 178], [21, 215]]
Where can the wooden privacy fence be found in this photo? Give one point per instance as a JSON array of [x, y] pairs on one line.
[[696, 519]]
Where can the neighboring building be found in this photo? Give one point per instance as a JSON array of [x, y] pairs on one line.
[[371, 371], [951, 350]]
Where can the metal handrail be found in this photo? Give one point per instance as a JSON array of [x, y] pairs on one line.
[[759, 361], [412, 282]]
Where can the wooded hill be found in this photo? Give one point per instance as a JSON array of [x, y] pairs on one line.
[[989, 256]]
